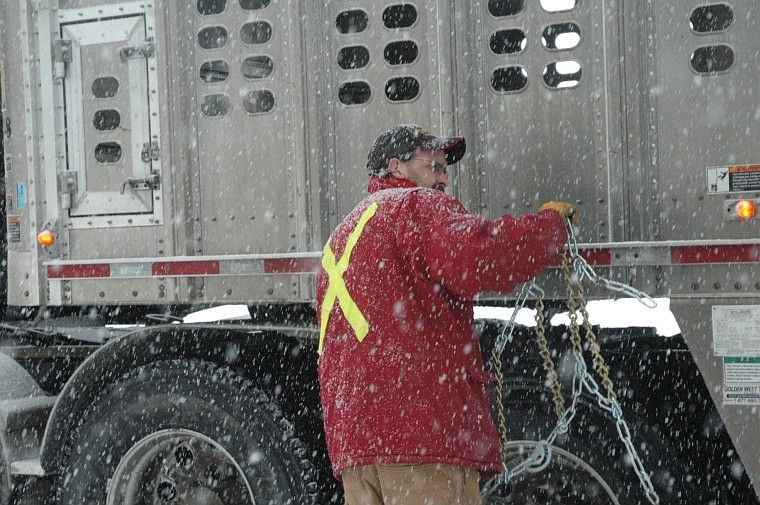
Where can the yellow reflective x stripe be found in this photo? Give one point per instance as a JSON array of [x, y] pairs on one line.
[[336, 288]]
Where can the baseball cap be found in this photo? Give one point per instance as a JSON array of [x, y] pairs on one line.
[[402, 139]]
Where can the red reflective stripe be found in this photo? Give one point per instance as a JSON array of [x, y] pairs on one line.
[[291, 265], [78, 271], [167, 268], [597, 257], [680, 255]]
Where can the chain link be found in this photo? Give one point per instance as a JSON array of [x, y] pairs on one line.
[[599, 364], [540, 458], [543, 350], [502, 419], [526, 290]]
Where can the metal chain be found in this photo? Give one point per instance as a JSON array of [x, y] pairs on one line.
[[522, 297], [496, 366], [582, 379], [498, 388], [575, 336], [583, 269], [609, 403], [600, 366], [545, 353]]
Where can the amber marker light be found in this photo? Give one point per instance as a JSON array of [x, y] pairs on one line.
[[46, 238], [746, 209]]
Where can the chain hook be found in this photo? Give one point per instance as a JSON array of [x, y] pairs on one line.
[[632, 292], [500, 485], [540, 457], [584, 270]]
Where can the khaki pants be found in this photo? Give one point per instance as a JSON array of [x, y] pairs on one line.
[[427, 484]]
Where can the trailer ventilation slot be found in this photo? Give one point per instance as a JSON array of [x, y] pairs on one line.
[[558, 5], [508, 41], [212, 37], [106, 120], [215, 105], [354, 21], [257, 67], [211, 7], [561, 36], [399, 16], [401, 52], [402, 89], [563, 74], [502, 8], [353, 57], [258, 102], [710, 60], [107, 153], [215, 71], [509, 79], [256, 32], [354, 93], [252, 5], [105, 87], [711, 18]]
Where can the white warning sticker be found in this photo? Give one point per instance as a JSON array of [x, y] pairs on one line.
[[733, 178], [741, 381], [736, 330]]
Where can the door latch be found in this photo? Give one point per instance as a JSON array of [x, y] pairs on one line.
[[61, 56], [68, 185], [152, 181], [146, 50], [6, 121]]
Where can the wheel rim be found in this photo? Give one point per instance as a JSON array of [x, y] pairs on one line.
[[178, 466], [567, 479]]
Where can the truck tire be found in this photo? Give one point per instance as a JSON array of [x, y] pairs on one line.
[[185, 432], [589, 464]]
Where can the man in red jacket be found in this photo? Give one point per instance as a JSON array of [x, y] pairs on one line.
[[403, 389]]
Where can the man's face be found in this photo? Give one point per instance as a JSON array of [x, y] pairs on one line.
[[427, 169]]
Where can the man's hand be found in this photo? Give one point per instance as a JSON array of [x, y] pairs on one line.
[[566, 210]]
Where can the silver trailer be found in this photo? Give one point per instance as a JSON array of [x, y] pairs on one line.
[[174, 154]]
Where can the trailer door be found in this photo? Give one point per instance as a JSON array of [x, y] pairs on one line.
[[111, 113]]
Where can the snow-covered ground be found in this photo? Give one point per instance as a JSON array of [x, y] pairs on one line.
[[620, 313], [221, 313]]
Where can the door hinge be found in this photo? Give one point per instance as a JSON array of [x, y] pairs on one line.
[[61, 56], [150, 151], [146, 50]]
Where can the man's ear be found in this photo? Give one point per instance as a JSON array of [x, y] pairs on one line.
[[397, 169]]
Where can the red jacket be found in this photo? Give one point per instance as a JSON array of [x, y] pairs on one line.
[[414, 390]]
